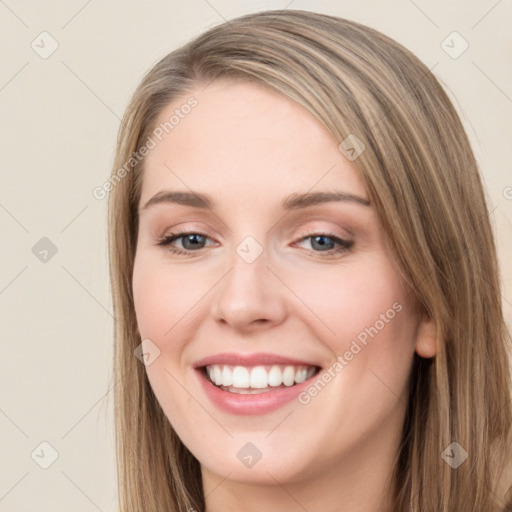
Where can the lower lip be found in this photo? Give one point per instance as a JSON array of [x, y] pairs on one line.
[[247, 404]]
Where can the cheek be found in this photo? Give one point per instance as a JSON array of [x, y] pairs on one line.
[[149, 300], [161, 297], [364, 314], [347, 299]]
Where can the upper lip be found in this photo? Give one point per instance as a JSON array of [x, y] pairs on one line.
[[261, 358]]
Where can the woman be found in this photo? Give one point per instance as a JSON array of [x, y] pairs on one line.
[[302, 259]]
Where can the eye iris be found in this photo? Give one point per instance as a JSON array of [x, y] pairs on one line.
[[195, 240], [320, 239]]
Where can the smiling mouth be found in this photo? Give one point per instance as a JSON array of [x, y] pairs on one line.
[[257, 379]]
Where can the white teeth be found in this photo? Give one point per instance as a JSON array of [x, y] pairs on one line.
[[217, 375], [275, 376], [301, 375], [227, 377], [289, 376], [258, 377], [240, 377]]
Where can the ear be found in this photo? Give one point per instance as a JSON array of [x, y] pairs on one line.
[[426, 339]]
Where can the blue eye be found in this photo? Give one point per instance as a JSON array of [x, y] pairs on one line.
[[325, 243], [193, 240]]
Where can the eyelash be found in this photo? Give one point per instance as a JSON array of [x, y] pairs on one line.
[[166, 240]]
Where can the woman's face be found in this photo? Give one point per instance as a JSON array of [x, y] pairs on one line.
[[269, 285]]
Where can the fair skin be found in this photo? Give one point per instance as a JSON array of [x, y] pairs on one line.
[[250, 148]]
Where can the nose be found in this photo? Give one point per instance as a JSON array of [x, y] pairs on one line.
[[250, 296]]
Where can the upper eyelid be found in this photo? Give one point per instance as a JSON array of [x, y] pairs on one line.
[[302, 231]]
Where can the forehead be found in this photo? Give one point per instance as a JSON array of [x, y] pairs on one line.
[[244, 138]]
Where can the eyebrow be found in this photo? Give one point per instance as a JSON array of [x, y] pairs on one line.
[[292, 202]]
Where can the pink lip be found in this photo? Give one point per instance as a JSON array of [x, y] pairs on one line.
[[262, 358], [260, 403], [249, 405]]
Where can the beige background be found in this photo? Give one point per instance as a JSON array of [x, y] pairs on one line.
[[59, 118]]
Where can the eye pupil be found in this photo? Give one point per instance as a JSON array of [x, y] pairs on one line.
[[194, 239], [320, 240]]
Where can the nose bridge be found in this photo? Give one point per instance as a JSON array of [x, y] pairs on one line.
[[249, 292]]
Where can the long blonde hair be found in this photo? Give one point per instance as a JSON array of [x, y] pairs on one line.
[[423, 181]]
